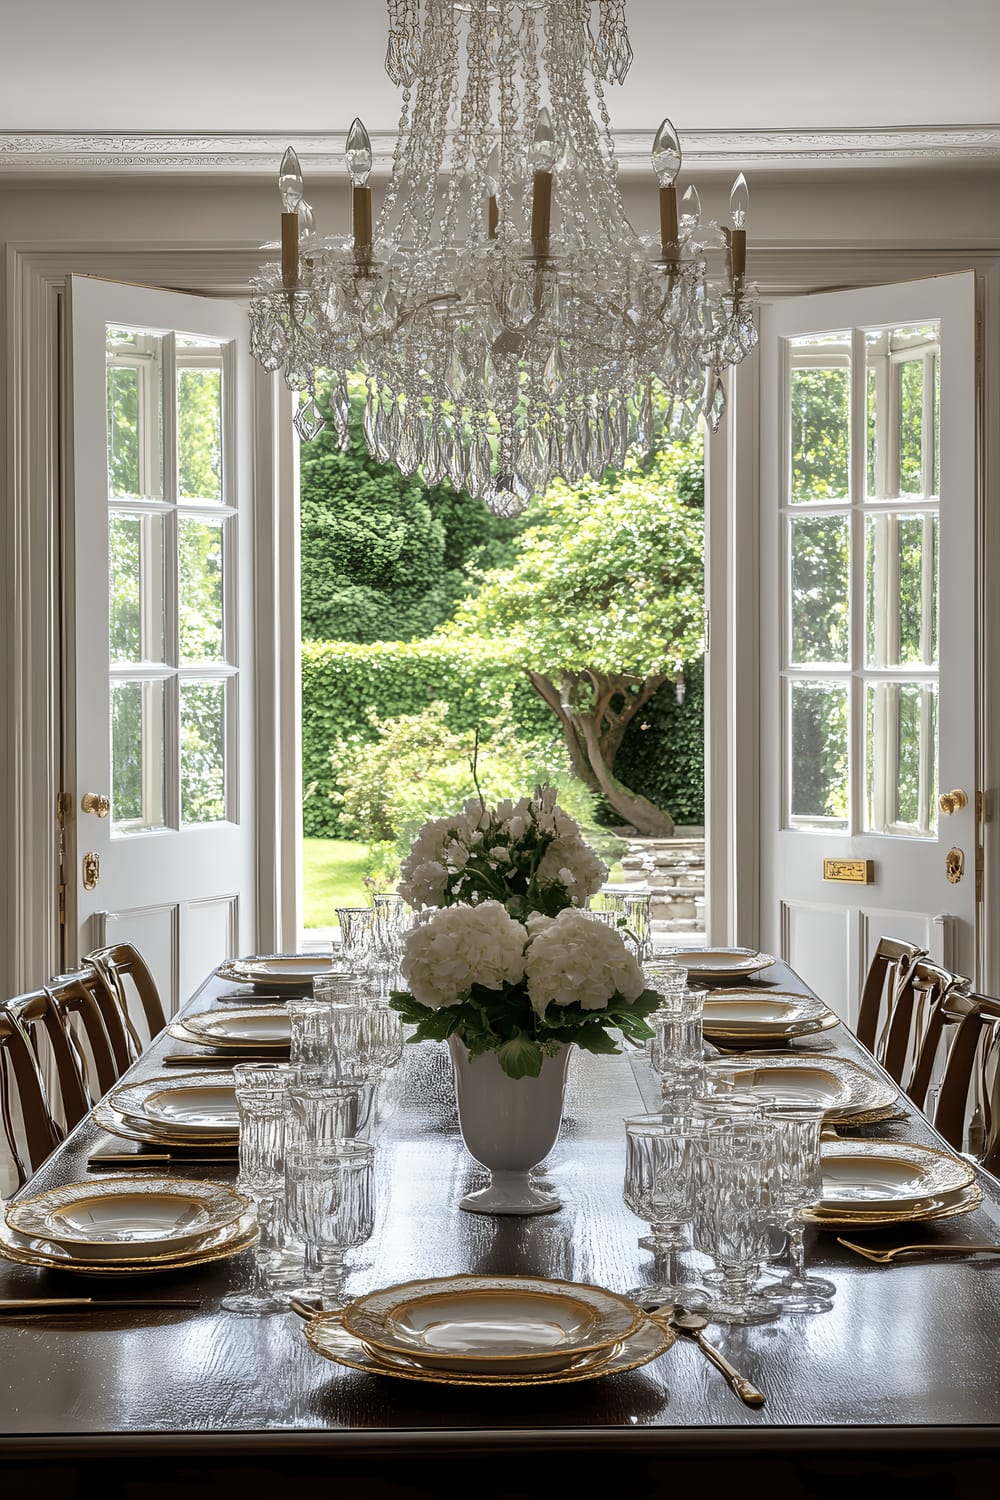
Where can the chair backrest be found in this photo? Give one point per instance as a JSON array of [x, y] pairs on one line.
[[131, 981], [30, 1130], [908, 1046], [57, 1052], [888, 971], [965, 1028], [89, 1012]]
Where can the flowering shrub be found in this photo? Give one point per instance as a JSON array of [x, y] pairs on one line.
[[529, 856], [521, 989]]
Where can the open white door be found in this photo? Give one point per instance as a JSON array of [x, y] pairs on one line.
[[868, 609], [159, 792]]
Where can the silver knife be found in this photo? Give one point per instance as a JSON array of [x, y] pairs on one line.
[[92, 1304]]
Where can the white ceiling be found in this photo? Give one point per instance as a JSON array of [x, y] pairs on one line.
[[243, 67]]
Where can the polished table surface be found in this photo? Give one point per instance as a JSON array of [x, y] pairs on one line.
[[901, 1379]]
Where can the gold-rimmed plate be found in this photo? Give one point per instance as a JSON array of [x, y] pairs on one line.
[[264, 1027], [886, 1176], [846, 1091], [30, 1251], [327, 1336], [492, 1324], [138, 1126], [122, 1217], [191, 1107], [718, 963], [293, 971], [965, 1201], [763, 1018]]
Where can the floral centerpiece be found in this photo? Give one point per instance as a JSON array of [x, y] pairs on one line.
[[506, 960]]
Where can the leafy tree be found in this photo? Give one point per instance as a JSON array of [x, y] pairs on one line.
[[604, 604]]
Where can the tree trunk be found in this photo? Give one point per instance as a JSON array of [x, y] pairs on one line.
[[593, 735]]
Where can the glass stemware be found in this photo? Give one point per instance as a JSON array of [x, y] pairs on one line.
[[659, 1188], [332, 1204], [356, 935], [675, 1051], [796, 1136], [732, 1224], [262, 1105]]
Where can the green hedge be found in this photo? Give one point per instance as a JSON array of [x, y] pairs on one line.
[[661, 755]]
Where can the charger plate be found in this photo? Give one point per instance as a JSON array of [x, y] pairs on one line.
[[327, 1336], [846, 1090], [29, 1251], [965, 1202], [190, 1108], [293, 971], [718, 963], [886, 1176], [120, 1217], [492, 1324], [763, 1018], [265, 1028]]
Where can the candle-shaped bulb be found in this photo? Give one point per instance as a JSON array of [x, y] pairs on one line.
[[666, 155], [691, 203], [739, 202], [544, 151], [359, 154], [290, 181]]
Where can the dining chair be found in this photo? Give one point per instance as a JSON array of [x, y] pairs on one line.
[[91, 1018], [131, 982], [958, 1067], [915, 1014], [31, 1131], [887, 973]]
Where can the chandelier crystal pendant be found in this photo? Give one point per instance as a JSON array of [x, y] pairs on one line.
[[510, 323]]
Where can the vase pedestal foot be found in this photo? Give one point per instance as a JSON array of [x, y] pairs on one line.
[[510, 1193]]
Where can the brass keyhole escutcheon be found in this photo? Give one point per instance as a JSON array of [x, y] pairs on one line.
[[91, 871], [954, 865], [93, 802], [953, 802]]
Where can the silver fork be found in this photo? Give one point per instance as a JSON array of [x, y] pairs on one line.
[[886, 1257]]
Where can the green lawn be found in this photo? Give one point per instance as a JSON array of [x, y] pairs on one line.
[[332, 875], [332, 872]]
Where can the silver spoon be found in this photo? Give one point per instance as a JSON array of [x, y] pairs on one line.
[[691, 1324]]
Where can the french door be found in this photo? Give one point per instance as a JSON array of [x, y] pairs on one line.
[[868, 610], [158, 808]]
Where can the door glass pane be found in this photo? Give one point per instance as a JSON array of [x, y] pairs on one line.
[[901, 589], [200, 575], [820, 410], [135, 414], [136, 584], [819, 786], [901, 751], [820, 589], [199, 421], [910, 375], [203, 752], [137, 761]]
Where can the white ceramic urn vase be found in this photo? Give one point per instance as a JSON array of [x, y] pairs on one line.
[[509, 1125]]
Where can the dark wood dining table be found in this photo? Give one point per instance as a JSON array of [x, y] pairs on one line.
[[898, 1384]]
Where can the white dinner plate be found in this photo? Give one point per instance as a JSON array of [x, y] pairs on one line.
[[718, 963], [236, 1028], [278, 970], [499, 1325], [192, 1107], [120, 1218], [845, 1089], [29, 1250], [880, 1176], [765, 1016]]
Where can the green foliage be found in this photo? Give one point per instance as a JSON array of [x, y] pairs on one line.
[[610, 576], [663, 752]]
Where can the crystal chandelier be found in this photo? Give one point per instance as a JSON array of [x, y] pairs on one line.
[[510, 324]]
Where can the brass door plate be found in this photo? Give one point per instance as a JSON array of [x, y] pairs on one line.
[[954, 865], [91, 871], [857, 871]]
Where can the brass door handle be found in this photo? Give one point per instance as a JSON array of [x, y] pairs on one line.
[[92, 802], [952, 802]]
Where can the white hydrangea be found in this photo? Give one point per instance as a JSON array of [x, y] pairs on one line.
[[440, 846], [575, 865], [571, 958], [459, 946]]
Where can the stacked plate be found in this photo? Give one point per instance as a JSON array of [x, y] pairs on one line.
[[490, 1330], [718, 963], [871, 1183], [846, 1090], [193, 1109], [261, 1030], [127, 1225], [763, 1018], [293, 972]]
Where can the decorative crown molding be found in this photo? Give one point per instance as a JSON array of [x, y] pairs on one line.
[[322, 154]]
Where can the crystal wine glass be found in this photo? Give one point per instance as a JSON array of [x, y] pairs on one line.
[[659, 1188], [262, 1102], [799, 1183], [332, 1204], [732, 1224]]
